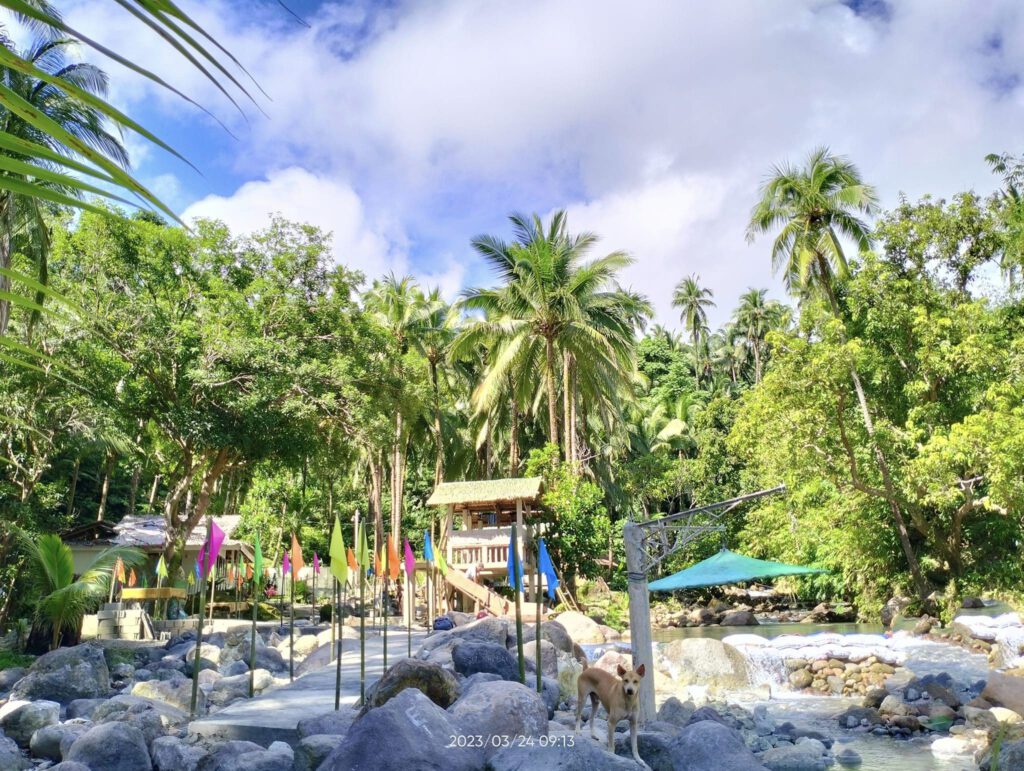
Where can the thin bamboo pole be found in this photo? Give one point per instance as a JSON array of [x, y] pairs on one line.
[[199, 632]]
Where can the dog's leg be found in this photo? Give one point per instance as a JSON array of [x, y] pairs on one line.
[[579, 710], [632, 740], [593, 714], [611, 735]]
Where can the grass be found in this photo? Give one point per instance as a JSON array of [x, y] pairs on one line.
[[10, 660]]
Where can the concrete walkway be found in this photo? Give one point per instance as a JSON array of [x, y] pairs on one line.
[[274, 714]]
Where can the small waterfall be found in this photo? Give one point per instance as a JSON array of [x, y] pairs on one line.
[[1010, 641]]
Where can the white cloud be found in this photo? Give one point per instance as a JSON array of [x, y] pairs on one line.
[[654, 126]]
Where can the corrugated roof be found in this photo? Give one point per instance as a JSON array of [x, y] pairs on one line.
[[151, 531], [486, 491]]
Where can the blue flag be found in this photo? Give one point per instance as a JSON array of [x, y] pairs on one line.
[[428, 550], [513, 559], [547, 569]]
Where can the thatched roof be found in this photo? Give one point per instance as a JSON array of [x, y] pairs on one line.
[[484, 492]]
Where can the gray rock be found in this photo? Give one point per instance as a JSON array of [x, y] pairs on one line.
[[807, 755], [501, 709], [490, 629], [8, 677], [709, 713], [20, 719], [676, 712], [122, 671], [48, 740], [10, 756], [548, 658], [64, 675], [653, 747], [410, 731], [550, 694], [313, 750], [551, 631], [738, 618], [70, 765], [333, 723], [439, 685], [471, 657], [711, 745], [848, 757], [177, 693], [856, 716], [111, 747], [152, 718], [247, 756], [228, 689], [235, 668], [565, 754], [1011, 755], [169, 753]]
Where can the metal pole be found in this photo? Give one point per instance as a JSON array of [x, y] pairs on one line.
[[639, 616], [199, 632]]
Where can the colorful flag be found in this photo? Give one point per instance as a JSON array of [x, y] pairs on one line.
[[198, 575], [249, 573], [428, 549], [339, 565], [286, 565], [161, 568], [410, 561], [192, 576], [213, 551], [316, 564], [442, 566], [363, 550], [297, 562], [119, 570], [257, 560], [231, 574], [393, 559], [132, 578], [353, 563], [547, 569], [514, 564]]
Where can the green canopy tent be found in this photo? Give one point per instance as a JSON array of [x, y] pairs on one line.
[[727, 567]]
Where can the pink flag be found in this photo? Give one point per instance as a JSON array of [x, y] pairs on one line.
[[286, 565], [316, 564], [212, 548], [410, 561]]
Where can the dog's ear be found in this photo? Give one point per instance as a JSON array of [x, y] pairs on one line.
[[640, 670], [620, 670]]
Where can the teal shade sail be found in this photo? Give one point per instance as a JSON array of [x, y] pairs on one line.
[[727, 567]]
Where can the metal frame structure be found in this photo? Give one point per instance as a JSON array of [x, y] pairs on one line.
[[648, 544]]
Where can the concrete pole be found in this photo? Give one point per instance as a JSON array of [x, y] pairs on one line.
[[640, 616]]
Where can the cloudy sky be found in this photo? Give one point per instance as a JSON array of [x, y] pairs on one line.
[[406, 128]]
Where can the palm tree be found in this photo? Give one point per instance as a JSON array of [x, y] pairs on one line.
[[555, 308], [22, 224], [813, 207], [693, 301], [439, 325], [756, 317], [62, 598]]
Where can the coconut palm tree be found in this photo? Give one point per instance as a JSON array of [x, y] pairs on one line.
[[812, 208], [693, 300], [22, 224], [556, 308], [755, 317], [62, 598], [438, 325]]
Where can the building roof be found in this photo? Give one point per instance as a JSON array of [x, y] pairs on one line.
[[146, 532], [488, 491]]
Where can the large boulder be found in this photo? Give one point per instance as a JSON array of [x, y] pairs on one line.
[[704, 661], [738, 618], [169, 753], [313, 750], [152, 718], [676, 712], [64, 675], [567, 753], [10, 756], [470, 657], [111, 747], [1005, 690], [582, 629], [47, 741], [228, 689], [548, 657], [177, 693], [807, 755], [8, 677], [436, 682], [247, 756], [266, 657], [501, 709], [709, 744], [410, 731], [20, 719], [334, 723], [654, 747], [553, 632], [490, 629]]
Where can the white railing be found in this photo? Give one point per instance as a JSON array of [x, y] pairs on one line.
[[486, 545]]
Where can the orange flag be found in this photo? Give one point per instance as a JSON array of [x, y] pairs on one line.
[[131, 578], [248, 572], [297, 562], [393, 560], [231, 573], [352, 560], [119, 570]]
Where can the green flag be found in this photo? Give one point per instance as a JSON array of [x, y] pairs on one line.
[[339, 565], [442, 566], [257, 562], [161, 568]]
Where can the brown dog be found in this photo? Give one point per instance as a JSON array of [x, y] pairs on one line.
[[620, 697]]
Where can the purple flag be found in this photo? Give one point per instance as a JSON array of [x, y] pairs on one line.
[[410, 561], [212, 548], [286, 564], [316, 564]]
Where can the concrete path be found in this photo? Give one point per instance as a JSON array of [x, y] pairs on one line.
[[274, 714]]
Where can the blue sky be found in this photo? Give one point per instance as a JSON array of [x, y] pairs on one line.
[[407, 128]]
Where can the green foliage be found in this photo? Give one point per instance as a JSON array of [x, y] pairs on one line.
[[11, 660]]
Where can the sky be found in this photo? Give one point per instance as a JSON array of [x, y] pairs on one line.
[[407, 128]]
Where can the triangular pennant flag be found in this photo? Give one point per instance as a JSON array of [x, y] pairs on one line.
[[197, 572], [393, 561], [547, 569], [513, 563], [231, 574], [120, 570], [286, 565], [132, 578], [442, 566], [192, 577], [161, 567], [316, 564], [353, 563], [410, 561], [213, 550], [249, 572], [297, 562], [428, 549], [363, 553], [339, 564]]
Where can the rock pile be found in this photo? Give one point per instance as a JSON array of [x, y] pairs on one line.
[[837, 676]]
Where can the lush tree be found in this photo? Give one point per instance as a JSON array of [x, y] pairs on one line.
[[693, 300]]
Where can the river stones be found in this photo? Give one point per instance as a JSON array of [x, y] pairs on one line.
[[709, 744], [332, 723], [48, 740], [582, 629], [704, 661], [808, 755], [64, 675], [1005, 690], [676, 712], [313, 750], [470, 657], [169, 753], [578, 755], [437, 683], [501, 709], [111, 747], [10, 756], [20, 719], [553, 632]]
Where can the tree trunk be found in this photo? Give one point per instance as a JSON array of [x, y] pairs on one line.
[[883, 464], [6, 202], [549, 375], [133, 491], [108, 471], [757, 361], [566, 398], [152, 492], [73, 488], [571, 427], [396, 473], [513, 441], [377, 491], [438, 432]]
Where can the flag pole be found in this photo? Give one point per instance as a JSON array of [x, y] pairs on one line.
[[199, 632], [252, 634], [213, 587], [537, 627], [291, 630], [517, 585], [335, 597], [384, 600], [362, 636], [411, 602], [336, 648]]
